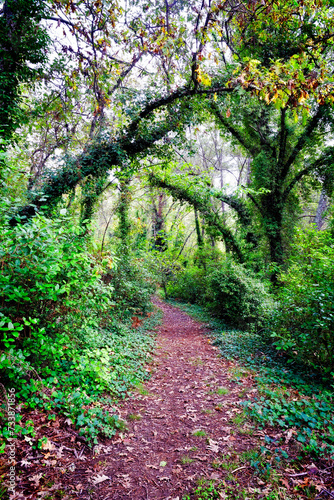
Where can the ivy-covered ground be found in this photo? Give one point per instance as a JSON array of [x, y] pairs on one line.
[[290, 405], [49, 426], [205, 426]]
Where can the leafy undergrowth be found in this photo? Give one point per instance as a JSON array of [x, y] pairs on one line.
[[86, 392], [289, 407]]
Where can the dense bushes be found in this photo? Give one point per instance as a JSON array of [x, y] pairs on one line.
[[303, 321], [133, 284], [188, 285], [236, 296], [64, 338], [227, 289]]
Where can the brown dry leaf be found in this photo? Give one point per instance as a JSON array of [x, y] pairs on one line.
[[26, 463], [36, 478], [304, 483], [56, 423], [289, 435], [213, 446], [48, 446], [285, 482], [99, 478]]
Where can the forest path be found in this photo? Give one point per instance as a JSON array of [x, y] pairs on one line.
[[179, 423]]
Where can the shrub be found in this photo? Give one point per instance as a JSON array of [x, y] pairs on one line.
[[236, 296], [133, 285], [62, 346], [188, 285], [303, 320], [227, 289]]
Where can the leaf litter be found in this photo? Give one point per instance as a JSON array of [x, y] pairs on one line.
[[147, 460]]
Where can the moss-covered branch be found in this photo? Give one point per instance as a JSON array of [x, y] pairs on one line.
[[201, 201]]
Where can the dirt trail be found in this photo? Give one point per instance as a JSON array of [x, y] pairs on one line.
[[161, 457], [180, 426]]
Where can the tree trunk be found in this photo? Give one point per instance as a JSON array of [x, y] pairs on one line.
[[272, 212], [321, 209], [198, 230], [124, 224], [159, 235]]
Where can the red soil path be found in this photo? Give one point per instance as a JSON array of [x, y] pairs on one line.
[[161, 457], [179, 427]]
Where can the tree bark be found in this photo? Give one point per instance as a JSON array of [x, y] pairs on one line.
[[323, 205]]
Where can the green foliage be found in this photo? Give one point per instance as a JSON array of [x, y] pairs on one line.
[[310, 417], [205, 491], [236, 296], [290, 396], [188, 285], [302, 324], [227, 289], [63, 344], [22, 48], [133, 284]]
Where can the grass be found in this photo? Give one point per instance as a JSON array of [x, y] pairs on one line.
[[132, 416], [186, 460], [142, 390], [197, 361], [199, 433], [222, 391], [239, 419]]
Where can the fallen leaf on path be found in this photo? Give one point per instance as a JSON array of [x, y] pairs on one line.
[[48, 446], [26, 463], [126, 481], [213, 446], [289, 435], [36, 479], [50, 462], [99, 479]]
